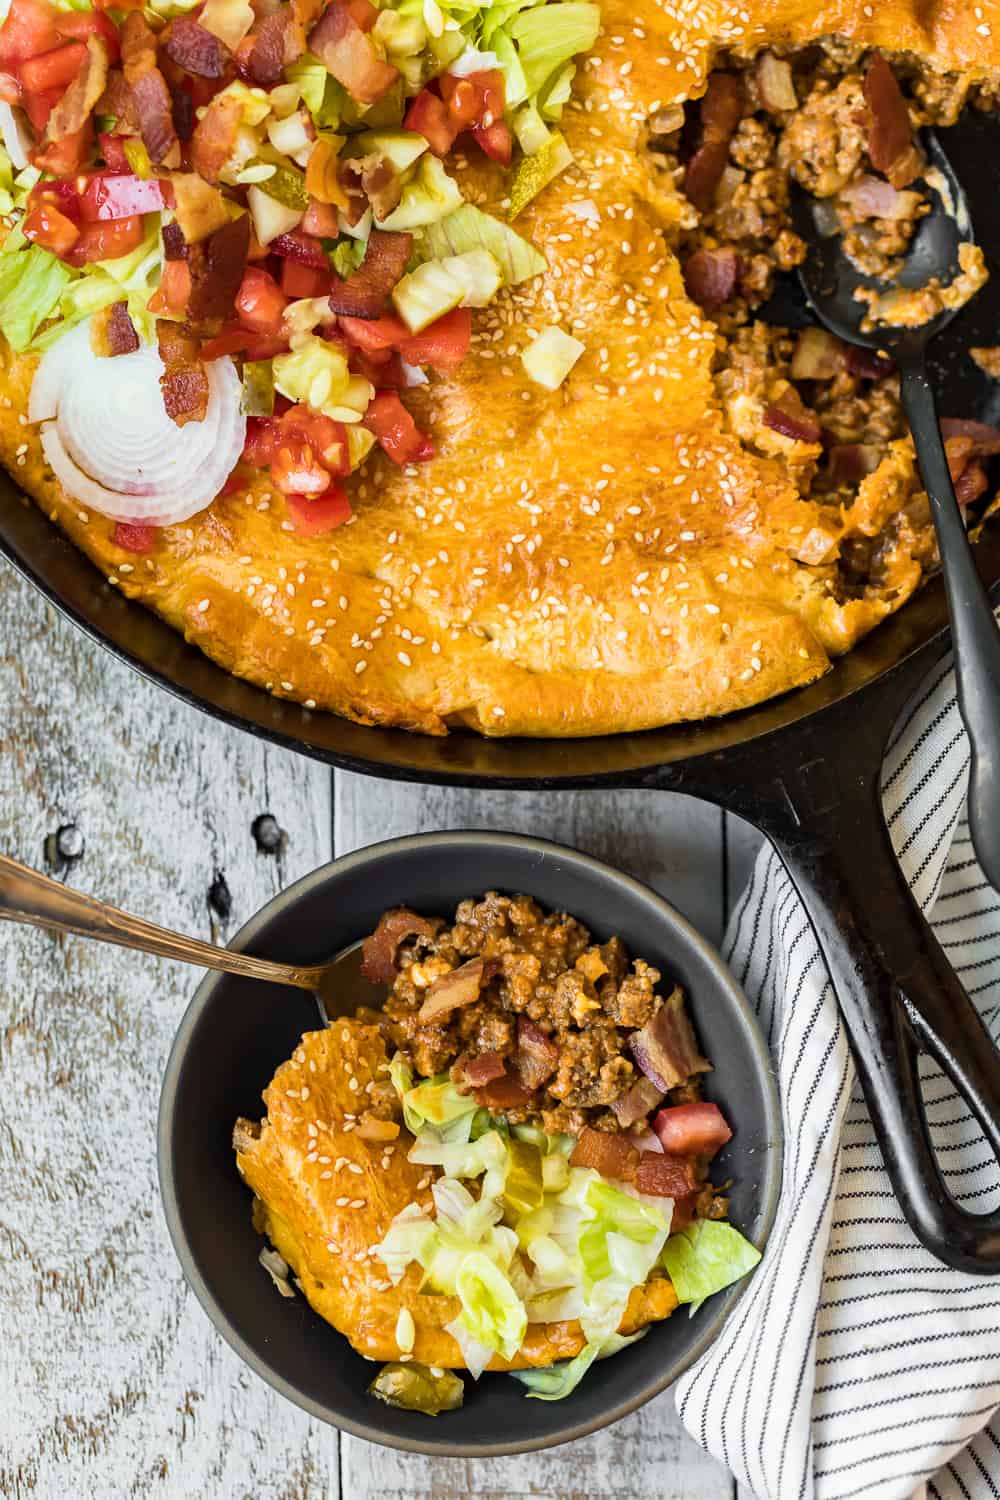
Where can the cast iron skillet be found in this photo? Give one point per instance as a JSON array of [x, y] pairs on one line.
[[235, 1033], [804, 768]]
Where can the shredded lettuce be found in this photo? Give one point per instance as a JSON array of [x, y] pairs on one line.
[[31, 283], [706, 1257], [437, 1102], [548, 36], [469, 228]]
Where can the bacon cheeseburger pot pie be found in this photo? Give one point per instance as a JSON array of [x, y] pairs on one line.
[[405, 357], [506, 1168]]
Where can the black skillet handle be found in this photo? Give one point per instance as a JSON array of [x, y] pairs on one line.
[[898, 993]]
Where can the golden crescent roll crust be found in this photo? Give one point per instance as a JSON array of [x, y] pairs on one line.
[[329, 1196], [605, 557]]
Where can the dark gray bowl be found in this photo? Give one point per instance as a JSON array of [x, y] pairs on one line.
[[235, 1032]]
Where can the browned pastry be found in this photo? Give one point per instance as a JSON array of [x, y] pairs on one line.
[[327, 1196], [606, 557]]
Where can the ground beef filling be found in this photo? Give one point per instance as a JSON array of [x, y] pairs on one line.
[[548, 991]]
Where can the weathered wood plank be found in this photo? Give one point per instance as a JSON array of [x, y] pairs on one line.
[[114, 1384], [676, 845]]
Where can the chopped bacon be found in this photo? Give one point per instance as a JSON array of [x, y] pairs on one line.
[[637, 1102], [117, 103], [134, 536], [477, 1071], [184, 381], [970, 484], [710, 276], [537, 1056], [507, 1092], [217, 265], [364, 293], [69, 155], [817, 355], [890, 135], [372, 179], [196, 50], [272, 44], [304, 248], [611, 1155], [150, 95], [692, 1129], [214, 136], [965, 443], [850, 462], [379, 950], [665, 1049], [719, 114], [174, 244], [986, 439], [453, 990], [349, 54], [868, 364], [73, 109], [664, 1176], [801, 428], [120, 330], [873, 198]]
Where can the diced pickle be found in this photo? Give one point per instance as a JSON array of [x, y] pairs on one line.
[[258, 388], [522, 1190], [416, 1388], [287, 186]]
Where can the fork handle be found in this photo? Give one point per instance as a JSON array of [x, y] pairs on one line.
[[36, 900], [974, 631]]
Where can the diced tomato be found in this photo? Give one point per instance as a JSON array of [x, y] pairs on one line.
[[61, 194], [242, 341], [374, 334], [692, 1129], [396, 431], [262, 435], [174, 291], [443, 344], [327, 437], [120, 195], [665, 1176], [320, 219], [463, 98], [80, 24], [610, 1154], [303, 281], [238, 480], [296, 469], [683, 1213], [113, 151], [53, 70], [428, 116], [38, 107], [133, 536], [313, 517], [68, 156], [47, 226], [496, 140], [260, 302], [301, 247], [383, 369], [109, 240], [266, 346], [30, 28]]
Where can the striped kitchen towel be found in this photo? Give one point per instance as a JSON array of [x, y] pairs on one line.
[[856, 1364]]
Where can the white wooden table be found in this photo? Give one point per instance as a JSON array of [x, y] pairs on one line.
[[112, 1382]]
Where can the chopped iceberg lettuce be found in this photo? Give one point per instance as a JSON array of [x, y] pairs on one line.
[[548, 36], [469, 228], [31, 284], [706, 1257]]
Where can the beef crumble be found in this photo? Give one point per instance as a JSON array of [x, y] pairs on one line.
[[546, 1034]]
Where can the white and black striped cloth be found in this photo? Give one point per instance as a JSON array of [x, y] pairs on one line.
[[856, 1364]]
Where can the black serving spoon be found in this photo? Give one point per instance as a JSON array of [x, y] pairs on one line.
[[829, 281]]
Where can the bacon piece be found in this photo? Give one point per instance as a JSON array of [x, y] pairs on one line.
[[477, 1071], [184, 381], [196, 50], [986, 439], [664, 1176], [364, 294], [802, 429], [175, 246], [150, 95], [692, 1129], [507, 1092], [637, 1102], [665, 1049], [460, 987], [117, 102], [214, 137], [710, 276], [380, 948], [719, 114], [120, 330], [73, 109], [537, 1055], [348, 53], [868, 364], [611, 1155], [275, 44], [375, 179], [873, 198], [970, 484], [850, 462], [818, 355], [217, 265], [890, 135], [305, 248], [200, 208]]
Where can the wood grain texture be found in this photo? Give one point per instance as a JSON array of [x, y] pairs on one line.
[[676, 845], [112, 1382]]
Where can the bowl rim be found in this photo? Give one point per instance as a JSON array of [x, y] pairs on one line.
[[770, 1187]]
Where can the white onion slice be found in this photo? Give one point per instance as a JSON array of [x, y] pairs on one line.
[[109, 439], [17, 136]]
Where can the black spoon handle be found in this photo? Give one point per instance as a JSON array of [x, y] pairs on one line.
[[974, 630]]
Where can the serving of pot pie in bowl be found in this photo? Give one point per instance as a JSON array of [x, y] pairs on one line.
[[406, 359]]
